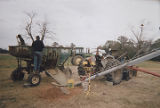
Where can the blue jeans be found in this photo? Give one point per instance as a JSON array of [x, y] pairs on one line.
[[37, 60]]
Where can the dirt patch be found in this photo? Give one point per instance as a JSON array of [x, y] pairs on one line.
[[55, 93]]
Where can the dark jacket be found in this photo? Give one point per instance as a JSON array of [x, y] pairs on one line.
[[37, 45], [98, 58]]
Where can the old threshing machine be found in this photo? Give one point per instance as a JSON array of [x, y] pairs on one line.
[[53, 57]]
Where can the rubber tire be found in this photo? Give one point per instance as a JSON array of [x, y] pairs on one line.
[[108, 77], [134, 73], [17, 75], [126, 74], [30, 79], [113, 75], [130, 74], [75, 58]]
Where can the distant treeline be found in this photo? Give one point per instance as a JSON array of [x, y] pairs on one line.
[[3, 51], [132, 48]]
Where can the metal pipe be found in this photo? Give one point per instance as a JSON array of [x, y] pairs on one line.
[[144, 58], [145, 71], [107, 71]]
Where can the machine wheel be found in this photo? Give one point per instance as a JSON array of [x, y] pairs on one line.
[[134, 73], [108, 77], [116, 76], [34, 79], [130, 74], [127, 74], [17, 75], [76, 60]]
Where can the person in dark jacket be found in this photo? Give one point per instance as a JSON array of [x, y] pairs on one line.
[[98, 62], [20, 40], [37, 48]]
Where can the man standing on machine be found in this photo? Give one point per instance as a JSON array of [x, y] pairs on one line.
[[37, 47]]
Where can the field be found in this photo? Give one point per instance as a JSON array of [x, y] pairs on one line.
[[142, 91]]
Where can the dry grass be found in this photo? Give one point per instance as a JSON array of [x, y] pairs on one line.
[[149, 64], [142, 91]]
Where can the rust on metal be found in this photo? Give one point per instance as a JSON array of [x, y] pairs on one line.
[[143, 70]]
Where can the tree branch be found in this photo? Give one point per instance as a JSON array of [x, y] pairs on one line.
[[28, 27]]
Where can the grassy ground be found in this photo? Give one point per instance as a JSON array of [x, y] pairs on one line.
[[149, 64], [142, 91]]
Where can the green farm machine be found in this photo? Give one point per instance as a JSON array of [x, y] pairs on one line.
[[79, 55], [53, 58]]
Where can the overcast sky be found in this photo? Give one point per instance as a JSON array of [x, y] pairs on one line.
[[86, 23]]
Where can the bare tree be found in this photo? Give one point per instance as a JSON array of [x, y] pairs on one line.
[[139, 37], [28, 27], [43, 27], [142, 45], [44, 30]]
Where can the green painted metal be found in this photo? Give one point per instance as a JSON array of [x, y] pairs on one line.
[[51, 55]]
